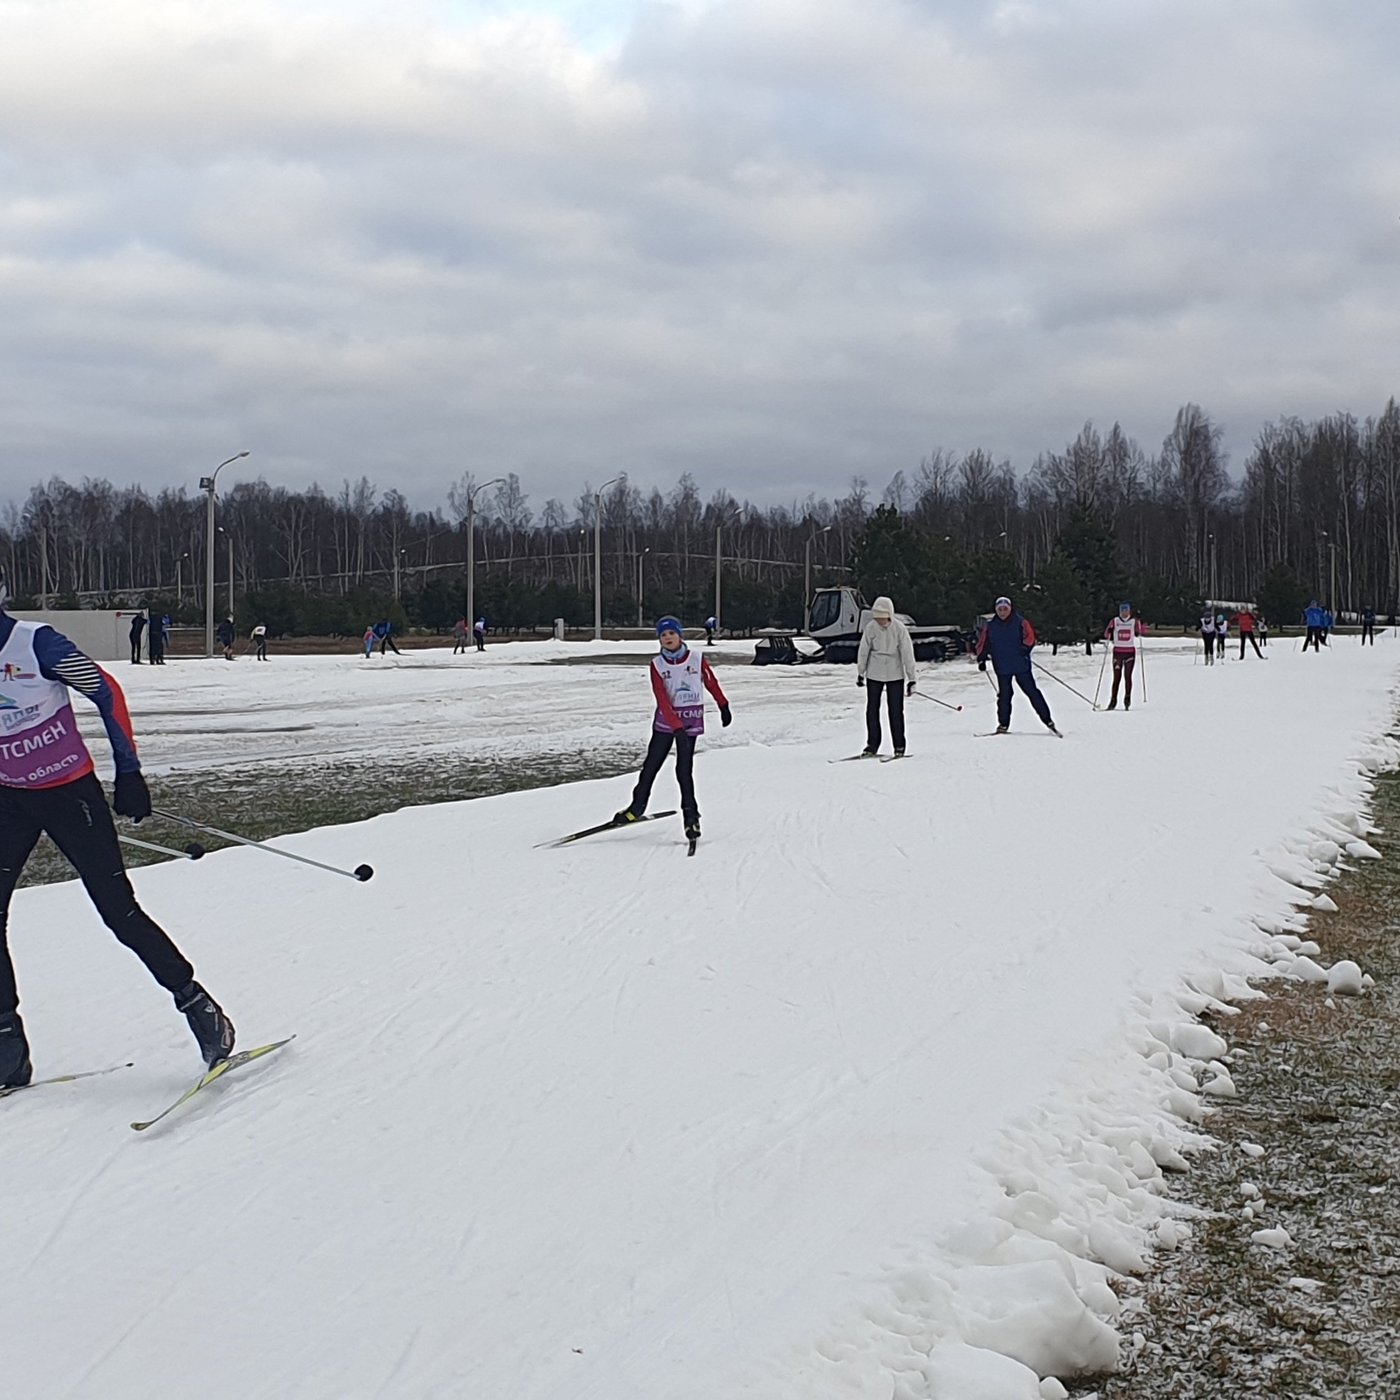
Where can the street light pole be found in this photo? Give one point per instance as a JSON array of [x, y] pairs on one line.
[[229, 538], [641, 583], [719, 558], [598, 558], [807, 579], [208, 483], [471, 546]]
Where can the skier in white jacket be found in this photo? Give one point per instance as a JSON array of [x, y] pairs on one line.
[[885, 663]]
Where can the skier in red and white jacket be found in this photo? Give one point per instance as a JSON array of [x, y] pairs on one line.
[[679, 679], [1123, 632]]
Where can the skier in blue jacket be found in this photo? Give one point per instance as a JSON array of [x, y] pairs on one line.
[[1316, 618], [1007, 641]]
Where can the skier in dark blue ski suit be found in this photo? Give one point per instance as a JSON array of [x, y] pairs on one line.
[[1007, 641]]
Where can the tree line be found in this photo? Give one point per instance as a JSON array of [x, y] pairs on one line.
[[1315, 512]]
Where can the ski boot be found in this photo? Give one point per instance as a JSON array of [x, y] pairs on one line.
[[1113, 705], [212, 1029], [1003, 729], [1054, 731], [870, 753], [15, 1068], [624, 817], [692, 829], [899, 753], [1127, 702]]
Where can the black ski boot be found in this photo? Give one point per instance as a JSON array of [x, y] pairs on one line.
[[15, 1067], [212, 1029], [692, 829], [1003, 728], [624, 817]]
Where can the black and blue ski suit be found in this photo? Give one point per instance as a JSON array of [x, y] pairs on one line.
[[1008, 645]]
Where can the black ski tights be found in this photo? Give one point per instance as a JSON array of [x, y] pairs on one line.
[[660, 746], [76, 816]]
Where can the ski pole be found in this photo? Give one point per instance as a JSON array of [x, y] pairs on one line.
[[191, 852], [1066, 685], [1099, 682], [360, 872], [920, 694], [1142, 661]]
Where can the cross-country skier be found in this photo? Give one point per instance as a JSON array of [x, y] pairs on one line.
[[1314, 617], [1368, 626], [368, 641], [711, 627], [1007, 641], [479, 633], [1123, 632], [47, 784], [225, 635], [1329, 621], [384, 630], [1247, 634], [885, 663], [155, 639], [459, 636], [1208, 636], [138, 625], [260, 637], [679, 679], [1222, 634]]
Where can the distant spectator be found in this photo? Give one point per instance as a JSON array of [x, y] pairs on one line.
[[138, 625]]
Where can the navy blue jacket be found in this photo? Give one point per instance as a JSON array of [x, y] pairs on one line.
[[1008, 644]]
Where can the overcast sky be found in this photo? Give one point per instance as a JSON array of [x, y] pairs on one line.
[[775, 243]]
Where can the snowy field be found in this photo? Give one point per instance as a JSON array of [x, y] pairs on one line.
[[868, 1100]]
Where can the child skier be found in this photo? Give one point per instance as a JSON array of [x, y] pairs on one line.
[[679, 678], [47, 784], [1123, 631], [1208, 636], [1222, 634]]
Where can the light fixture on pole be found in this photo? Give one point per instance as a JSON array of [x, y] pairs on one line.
[[807, 578], [598, 558], [209, 483], [471, 545], [641, 583], [724, 519]]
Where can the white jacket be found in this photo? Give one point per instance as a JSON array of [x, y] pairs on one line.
[[886, 653]]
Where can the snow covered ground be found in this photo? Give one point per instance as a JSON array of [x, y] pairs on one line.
[[866, 1100]]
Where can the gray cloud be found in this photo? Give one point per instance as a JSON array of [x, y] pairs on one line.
[[772, 244]]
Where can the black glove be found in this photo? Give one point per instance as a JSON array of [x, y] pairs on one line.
[[860, 680], [725, 717], [131, 798], [982, 664]]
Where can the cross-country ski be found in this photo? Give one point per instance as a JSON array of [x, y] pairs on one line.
[[7, 1090], [238, 1060]]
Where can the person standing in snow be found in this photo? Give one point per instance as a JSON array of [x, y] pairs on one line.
[[885, 665], [459, 636], [138, 625], [1247, 634], [155, 640], [1222, 634], [1007, 641], [368, 641], [1368, 626], [479, 632], [711, 627], [679, 679], [224, 635], [260, 637], [1329, 621], [384, 630], [1208, 636], [1314, 617], [47, 784], [1123, 632]]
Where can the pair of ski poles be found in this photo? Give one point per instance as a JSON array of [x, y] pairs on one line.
[[194, 851], [1054, 678], [1141, 651]]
